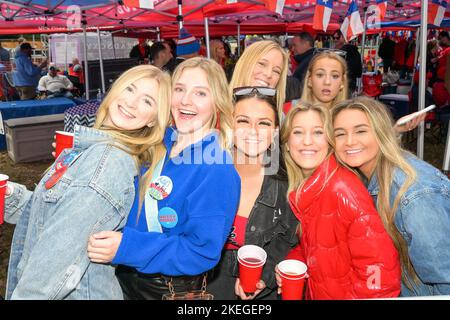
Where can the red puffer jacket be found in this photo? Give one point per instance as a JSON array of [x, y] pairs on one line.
[[346, 248]]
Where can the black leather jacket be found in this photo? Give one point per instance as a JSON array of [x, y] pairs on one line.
[[272, 226]]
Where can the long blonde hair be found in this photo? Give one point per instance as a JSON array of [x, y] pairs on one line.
[[244, 68], [391, 156], [295, 175], [222, 115], [307, 93], [145, 144]]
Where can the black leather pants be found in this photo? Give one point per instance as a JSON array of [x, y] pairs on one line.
[[140, 286]]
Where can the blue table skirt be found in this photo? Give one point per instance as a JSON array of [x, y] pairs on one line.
[[31, 108]]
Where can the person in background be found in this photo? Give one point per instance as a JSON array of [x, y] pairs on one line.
[[160, 55], [303, 49], [217, 50], [55, 85], [27, 75], [177, 228], [326, 83], [352, 57], [264, 217], [4, 55], [263, 63], [386, 52], [76, 197], [141, 51], [76, 70], [187, 47], [343, 242], [20, 40], [441, 86], [172, 63], [412, 197]]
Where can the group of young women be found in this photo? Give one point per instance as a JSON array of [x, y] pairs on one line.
[[175, 177]]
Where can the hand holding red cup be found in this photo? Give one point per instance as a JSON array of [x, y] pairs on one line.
[[3, 183], [251, 260], [64, 140], [293, 275]]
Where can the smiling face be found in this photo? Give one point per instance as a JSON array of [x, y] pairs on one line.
[[307, 143], [267, 70], [355, 141], [192, 102], [254, 123], [326, 80], [135, 107]]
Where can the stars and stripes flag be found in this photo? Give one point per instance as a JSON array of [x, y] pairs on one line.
[[352, 25], [436, 11], [322, 14]]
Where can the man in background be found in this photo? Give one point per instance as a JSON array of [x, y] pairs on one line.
[[160, 55], [303, 49], [352, 57], [26, 76], [187, 47], [141, 51], [55, 85]]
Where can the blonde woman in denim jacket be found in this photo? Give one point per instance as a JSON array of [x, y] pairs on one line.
[[412, 197], [90, 188]]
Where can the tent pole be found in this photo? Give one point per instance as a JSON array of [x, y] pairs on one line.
[[158, 34], [422, 74], [239, 38], [65, 56], [208, 49], [416, 54], [113, 44], [363, 45], [180, 14], [86, 73], [102, 72]]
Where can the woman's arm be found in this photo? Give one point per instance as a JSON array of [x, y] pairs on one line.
[[58, 259], [210, 209], [426, 220]]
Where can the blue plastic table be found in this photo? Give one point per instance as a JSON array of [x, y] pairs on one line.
[[30, 108]]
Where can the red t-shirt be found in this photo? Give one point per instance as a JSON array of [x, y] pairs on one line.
[[236, 239]]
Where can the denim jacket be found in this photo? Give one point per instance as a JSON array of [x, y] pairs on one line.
[[423, 219], [49, 250]]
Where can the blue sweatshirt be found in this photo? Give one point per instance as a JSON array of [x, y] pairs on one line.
[[205, 197]]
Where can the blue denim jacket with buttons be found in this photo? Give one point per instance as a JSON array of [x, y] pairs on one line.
[[423, 219], [49, 249]]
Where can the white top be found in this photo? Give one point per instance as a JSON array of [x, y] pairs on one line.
[[53, 84]]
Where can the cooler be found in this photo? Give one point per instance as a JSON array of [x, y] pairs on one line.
[[398, 103], [30, 138]]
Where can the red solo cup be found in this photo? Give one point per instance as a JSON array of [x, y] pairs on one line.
[[293, 275], [64, 140], [3, 181], [251, 260]]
